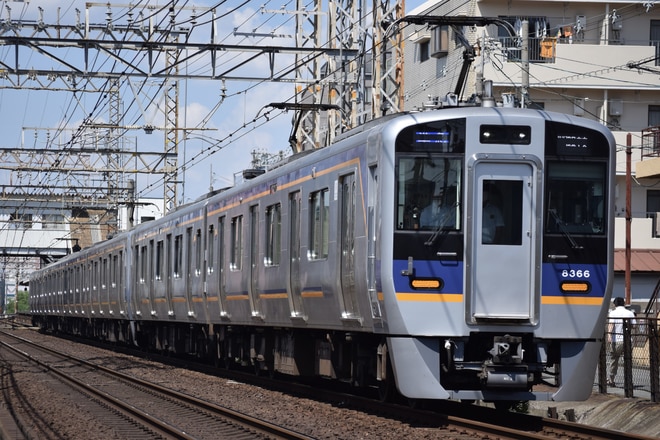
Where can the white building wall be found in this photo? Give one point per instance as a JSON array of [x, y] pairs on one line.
[[145, 210]]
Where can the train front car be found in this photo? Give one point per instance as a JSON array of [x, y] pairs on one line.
[[501, 253]]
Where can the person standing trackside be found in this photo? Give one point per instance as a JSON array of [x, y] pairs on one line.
[[615, 328]]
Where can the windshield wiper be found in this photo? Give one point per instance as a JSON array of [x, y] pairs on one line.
[[563, 230], [444, 219]]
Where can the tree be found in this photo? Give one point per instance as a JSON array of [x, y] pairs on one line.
[[23, 296]]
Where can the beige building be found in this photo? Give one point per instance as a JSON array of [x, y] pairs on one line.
[[597, 60]]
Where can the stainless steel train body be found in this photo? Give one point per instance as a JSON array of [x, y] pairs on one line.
[[462, 253]]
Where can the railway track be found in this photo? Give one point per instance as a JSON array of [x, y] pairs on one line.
[[132, 408], [467, 421], [444, 420]]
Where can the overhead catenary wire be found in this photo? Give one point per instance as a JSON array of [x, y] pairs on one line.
[[93, 114]]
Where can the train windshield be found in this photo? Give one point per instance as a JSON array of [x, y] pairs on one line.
[[429, 187], [576, 198]]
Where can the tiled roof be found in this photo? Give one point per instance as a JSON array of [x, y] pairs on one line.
[[641, 260]]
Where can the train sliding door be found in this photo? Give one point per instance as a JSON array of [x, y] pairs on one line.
[[295, 295], [347, 188], [503, 276], [253, 287]]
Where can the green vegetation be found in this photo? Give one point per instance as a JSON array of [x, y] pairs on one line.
[[22, 299]]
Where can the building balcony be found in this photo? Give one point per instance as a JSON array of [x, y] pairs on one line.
[[563, 63], [649, 166]]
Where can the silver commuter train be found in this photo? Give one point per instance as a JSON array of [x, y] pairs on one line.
[[458, 254]]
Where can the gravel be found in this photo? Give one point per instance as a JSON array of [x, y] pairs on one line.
[[316, 419]]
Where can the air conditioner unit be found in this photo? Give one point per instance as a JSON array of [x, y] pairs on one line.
[[615, 107], [420, 37]]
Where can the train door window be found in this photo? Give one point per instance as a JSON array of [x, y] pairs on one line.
[[428, 194], [95, 275], [150, 262], [71, 299], [78, 293], [319, 207], [501, 221], [575, 198], [114, 269], [211, 249], [159, 260], [221, 243], [68, 297], [178, 255], [104, 273], [143, 264], [199, 250], [111, 271], [273, 235], [84, 281], [236, 243], [189, 254], [120, 272]]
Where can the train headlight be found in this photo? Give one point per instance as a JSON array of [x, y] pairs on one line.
[[426, 283], [575, 287]]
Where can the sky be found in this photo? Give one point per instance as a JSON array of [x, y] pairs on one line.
[[226, 121]]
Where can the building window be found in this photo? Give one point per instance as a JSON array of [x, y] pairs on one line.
[[652, 209], [654, 116], [318, 229], [20, 221], [654, 38], [52, 221], [273, 235], [424, 50]]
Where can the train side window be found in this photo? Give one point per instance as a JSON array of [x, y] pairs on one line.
[[236, 243], [273, 235], [319, 207], [575, 198], [178, 255]]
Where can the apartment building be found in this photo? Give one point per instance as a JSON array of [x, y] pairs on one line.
[[597, 60]]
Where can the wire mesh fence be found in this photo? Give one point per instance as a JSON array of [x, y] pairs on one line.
[[635, 367]]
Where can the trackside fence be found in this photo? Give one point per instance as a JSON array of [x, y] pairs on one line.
[[639, 365]]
